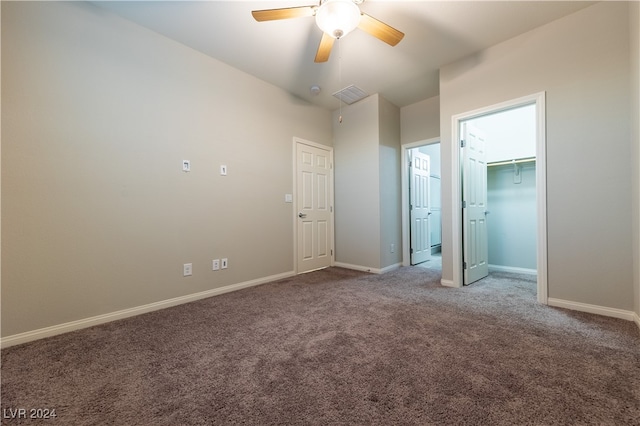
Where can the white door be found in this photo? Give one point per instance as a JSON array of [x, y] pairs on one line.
[[314, 198], [474, 205], [420, 207]]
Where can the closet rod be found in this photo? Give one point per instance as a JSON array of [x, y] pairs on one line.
[[515, 161]]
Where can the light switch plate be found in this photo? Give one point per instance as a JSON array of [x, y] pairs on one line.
[[186, 165], [288, 198], [223, 170]]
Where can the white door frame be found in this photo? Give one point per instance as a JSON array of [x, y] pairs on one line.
[[404, 167], [541, 186], [294, 210]]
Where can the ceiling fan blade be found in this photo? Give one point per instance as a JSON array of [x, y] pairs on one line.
[[380, 30], [285, 13], [324, 50]]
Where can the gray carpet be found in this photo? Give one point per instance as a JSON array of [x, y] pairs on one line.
[[338, 347]]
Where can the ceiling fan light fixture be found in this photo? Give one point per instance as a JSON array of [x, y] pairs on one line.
[[338, 17]]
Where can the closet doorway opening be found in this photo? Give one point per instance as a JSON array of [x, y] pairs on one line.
[[499, 207], [422, 204], [499, 193]]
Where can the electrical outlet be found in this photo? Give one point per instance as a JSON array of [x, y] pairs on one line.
[[187, 269], [225, 263], [223, 170], [215, 265], [186, 165]]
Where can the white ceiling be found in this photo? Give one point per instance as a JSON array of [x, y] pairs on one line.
[[282, 52]]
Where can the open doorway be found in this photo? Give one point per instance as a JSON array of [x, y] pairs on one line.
[[499, 193], [425, 206], [537, 100], [421, 204]]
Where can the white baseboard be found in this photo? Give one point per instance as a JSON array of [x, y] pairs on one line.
[[29, 336], [513, 269], [447, 283], [367, 268], [592, 309], [390, 268], [636, 319], [358, 267]]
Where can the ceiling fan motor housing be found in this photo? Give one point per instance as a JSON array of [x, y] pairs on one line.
[[338, 17]]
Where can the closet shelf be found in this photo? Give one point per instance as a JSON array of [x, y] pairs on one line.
[[514, 161]]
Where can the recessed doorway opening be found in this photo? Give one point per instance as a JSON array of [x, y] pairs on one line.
[[421, 204], [499, 193], [469, 225], [425, 206]]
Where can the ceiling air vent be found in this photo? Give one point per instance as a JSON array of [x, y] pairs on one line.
[[350, 94]]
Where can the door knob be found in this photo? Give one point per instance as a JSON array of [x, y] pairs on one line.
[[302, 215]]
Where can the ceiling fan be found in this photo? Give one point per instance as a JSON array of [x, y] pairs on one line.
[[336, 18]]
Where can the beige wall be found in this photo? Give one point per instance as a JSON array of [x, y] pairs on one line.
[[420, 121], [390, 194], [367, 184], [97, 216], [98, 113], [357, 184], [582, 62], [634, 49]]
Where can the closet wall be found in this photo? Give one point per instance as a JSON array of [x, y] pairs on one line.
[[511, 223]]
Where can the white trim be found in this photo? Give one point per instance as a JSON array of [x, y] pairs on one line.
[[456, 196], [592, 309], [357, 267], [513, 269], [447, 283], [404, 170], [541, 186], [367, 268], [41, 333], [296, 141], [541, 197], [390, 268], [636, 319]]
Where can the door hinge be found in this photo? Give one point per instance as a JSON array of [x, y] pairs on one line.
[[462, 143], [464, 204], [464, 265], [331, 252], [410, 163], [410, 251], [330, 209], [410, 206]]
